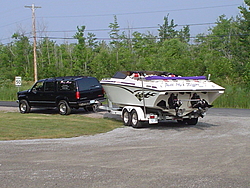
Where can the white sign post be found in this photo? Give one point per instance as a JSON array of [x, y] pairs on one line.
[[18, 81]]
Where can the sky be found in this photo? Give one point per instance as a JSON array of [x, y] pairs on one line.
[[58, 19]]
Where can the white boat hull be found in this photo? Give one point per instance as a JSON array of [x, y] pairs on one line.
[[168, 96], [132, 96]]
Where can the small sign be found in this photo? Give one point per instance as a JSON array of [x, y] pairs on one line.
[[18, 81]]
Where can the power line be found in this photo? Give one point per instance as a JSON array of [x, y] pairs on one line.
[[130, 28], [146, 12], [156, 37], [105, 29], [128, 13], [14, 22], [131, 38]]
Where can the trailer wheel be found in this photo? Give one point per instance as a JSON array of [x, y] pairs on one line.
[[95, 107], [192, 121], [135, 120], [126, 117]]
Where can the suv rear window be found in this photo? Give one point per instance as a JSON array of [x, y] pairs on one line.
[[49, 86], [88, 83], [66, 85]]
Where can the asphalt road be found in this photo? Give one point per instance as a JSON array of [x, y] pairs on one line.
[[9, 103], [214, 153]]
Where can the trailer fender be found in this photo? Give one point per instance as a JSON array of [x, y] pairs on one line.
[[139, 111]]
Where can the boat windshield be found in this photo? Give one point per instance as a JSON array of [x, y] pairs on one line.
[[120, 75]]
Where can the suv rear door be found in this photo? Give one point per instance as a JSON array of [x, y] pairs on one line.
[[89, 88], [66, 89]]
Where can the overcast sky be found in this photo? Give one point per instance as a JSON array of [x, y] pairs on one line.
[[59, 18]]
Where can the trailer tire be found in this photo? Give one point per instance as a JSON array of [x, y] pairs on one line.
[[126, 117], [95, 108], [135, 120]]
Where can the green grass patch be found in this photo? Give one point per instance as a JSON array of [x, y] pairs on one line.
[[8, 90], [234, 97], [16, 126]]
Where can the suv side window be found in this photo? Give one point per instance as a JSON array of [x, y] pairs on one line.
[[66, 85], [88, 83], [38, 86], [49, 86]]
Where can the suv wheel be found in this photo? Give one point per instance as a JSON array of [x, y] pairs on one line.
[[24, 106], [64, 108]]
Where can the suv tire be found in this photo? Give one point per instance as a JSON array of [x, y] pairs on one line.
[[64, 108], [24, 106]]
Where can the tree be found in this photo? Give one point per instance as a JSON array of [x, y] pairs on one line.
[[219, 48], [167, 31], [91, 41], [244, 39], [184, 34], [145, 49], [80, 64], [80, 35], [47, 58], [21, 51], [114, 33]]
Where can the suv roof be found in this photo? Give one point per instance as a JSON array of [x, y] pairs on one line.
[[66, 78]]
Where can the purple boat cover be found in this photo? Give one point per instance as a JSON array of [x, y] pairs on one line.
[[176, 78]]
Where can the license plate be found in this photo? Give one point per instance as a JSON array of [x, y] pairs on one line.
[[152, 121], [92, 101]]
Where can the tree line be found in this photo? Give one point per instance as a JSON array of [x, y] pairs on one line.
[[223, 52]]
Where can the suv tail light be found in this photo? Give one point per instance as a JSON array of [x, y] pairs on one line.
[[77, 95]]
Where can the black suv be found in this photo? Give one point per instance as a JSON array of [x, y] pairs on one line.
[[62, 92]]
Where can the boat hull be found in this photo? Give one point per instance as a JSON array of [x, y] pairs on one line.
[[163, 100], [159, 91]]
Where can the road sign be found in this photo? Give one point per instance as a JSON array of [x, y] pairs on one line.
[[18, 81]]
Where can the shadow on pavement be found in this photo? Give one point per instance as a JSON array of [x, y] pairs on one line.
[[55, 111], [166, 125], [170, 124]]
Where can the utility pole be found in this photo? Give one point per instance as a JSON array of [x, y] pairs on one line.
[[33, 7]]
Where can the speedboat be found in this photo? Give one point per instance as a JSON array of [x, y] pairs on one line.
[[162, 92]]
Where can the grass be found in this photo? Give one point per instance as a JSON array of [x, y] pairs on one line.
[[16, 126], [8, 90], [234, 97]]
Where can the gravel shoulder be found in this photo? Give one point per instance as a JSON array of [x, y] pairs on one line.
[[8, 109], [214, 153]]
